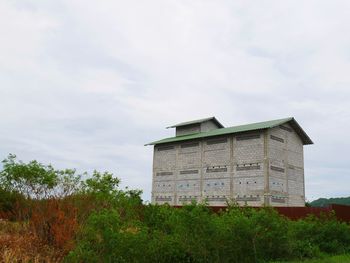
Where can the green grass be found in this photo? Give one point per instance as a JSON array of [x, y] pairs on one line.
[[327, 259]]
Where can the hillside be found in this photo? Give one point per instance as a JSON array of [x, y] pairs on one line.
[[321, 202]]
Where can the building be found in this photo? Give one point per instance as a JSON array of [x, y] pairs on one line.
[[254, 164]]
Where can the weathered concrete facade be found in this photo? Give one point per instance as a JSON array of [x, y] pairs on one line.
[[253, 167]]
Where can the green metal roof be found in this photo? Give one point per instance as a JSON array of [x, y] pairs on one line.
[[241, 128], [197, 121]]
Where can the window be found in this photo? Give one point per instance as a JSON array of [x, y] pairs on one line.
[[165, 198], [188, 145], [165, 148], [187, 198], [277, 169], [245, 167], [216, 170], [247, 137], [286, 128], [217, 141], [164, 173], [217, 198], [275, 138], [189, 172]]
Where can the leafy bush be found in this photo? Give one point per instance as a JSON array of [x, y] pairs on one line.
[[313, 235], [195, 234], [95, 221], [104, 238], [12, 205]]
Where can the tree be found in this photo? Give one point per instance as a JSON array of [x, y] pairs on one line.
[[35, 180]]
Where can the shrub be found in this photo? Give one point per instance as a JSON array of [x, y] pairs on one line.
[[98, 222], [313, 235], [104, 239], [54, 221], [13, 205], [333, 236], [193, 226], [189, 234], [246, 235]]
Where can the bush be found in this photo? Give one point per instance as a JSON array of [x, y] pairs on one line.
[[194, 234], [333, 237], [302, 234], [189, 234], [246, 235], [105, 239], [314, 235], [12, 205], [98, 222], [55, 222]]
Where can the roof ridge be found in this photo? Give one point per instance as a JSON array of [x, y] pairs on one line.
[[260, 122], [195, 122]]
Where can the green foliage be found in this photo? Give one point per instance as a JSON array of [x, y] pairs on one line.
[[99, 236], [192, 225], [195, 234], [101, 184], [102, 223], [7, 200], [247, 235], [103, 193], [323, 259], [105, 238], [9, 203], [303, 234], [29, 179], [313, 235], [35, 180]]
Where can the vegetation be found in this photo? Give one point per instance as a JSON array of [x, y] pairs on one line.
[[323, 202], [324, 259], [54, 216]]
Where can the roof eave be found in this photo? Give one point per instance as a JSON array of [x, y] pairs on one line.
[[218, 123], [303, 135]]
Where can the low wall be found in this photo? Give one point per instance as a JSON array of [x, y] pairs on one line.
[[342, 212]]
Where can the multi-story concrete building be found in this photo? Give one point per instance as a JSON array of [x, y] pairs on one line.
[[254, 164]]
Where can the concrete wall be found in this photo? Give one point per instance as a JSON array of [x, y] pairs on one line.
[[187, 129], [286, 167], [248, 177], [216, 170], [250, 168], [208, 126], [197, 127]]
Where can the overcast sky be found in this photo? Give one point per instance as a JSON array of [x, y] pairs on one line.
[[86, 84]]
